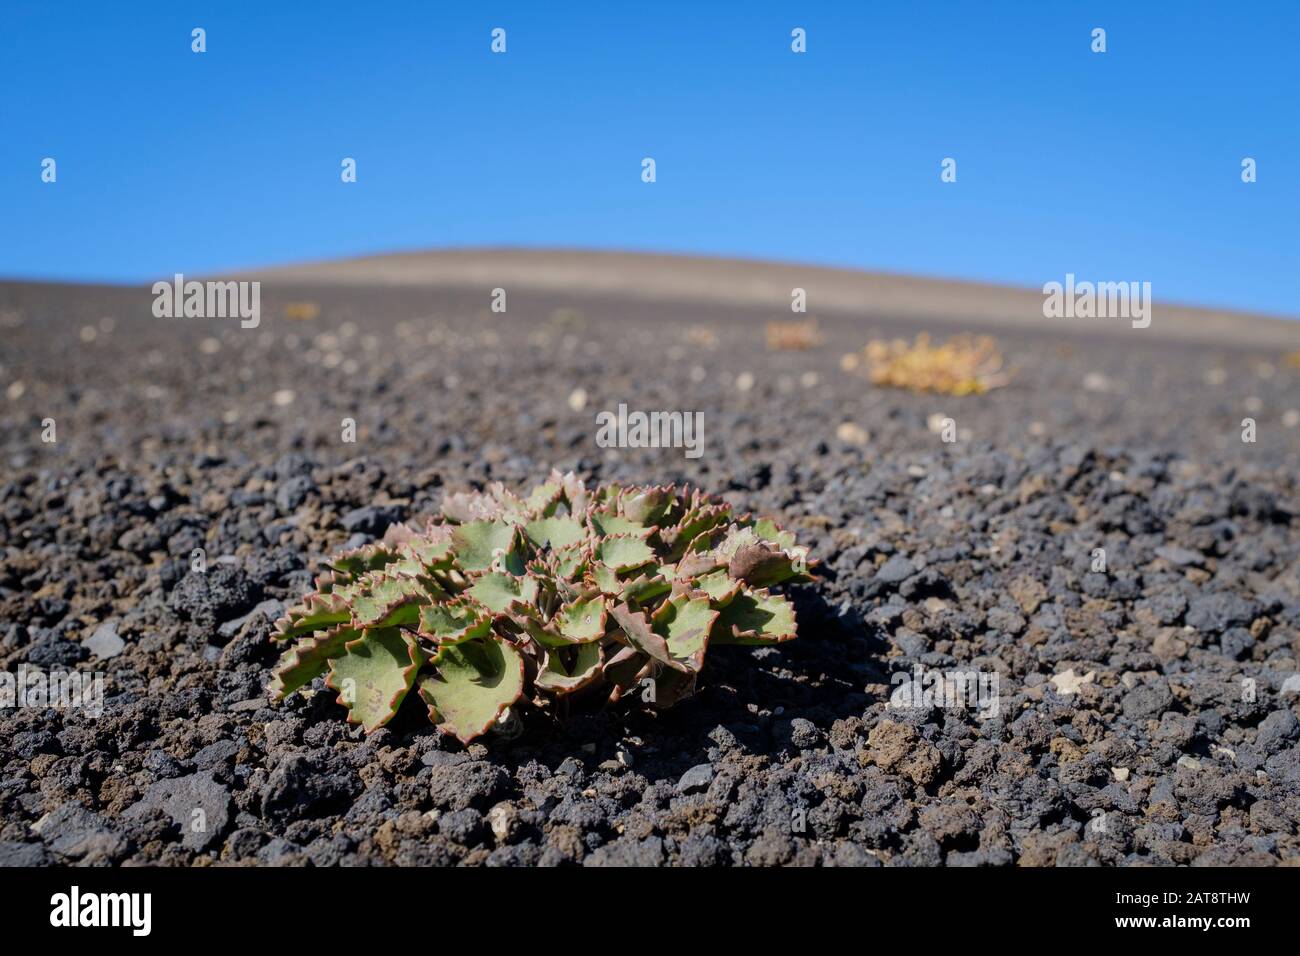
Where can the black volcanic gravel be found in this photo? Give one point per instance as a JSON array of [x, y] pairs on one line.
[[1155, 747]]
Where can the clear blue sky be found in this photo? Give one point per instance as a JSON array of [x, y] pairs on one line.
[[1124, 165]]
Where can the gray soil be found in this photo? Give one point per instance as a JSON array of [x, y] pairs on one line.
[[1171, 739]]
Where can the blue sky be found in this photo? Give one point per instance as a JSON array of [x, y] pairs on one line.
[[1115, 166]]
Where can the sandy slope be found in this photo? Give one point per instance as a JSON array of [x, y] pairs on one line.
[[756, 283]]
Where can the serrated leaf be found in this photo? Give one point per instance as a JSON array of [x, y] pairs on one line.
[[571, 562], [566, 670], [433, 554], [645, 586], [607, 523], [583, 620], [451, 622], [760, 565], [388, 602], [647, 506], [606, 578], [767, 529], [557, 532], [719, 587], [374, 674], [684, 537], [697, 563], [684, 623], [544, 498], [636, 630], [623, 552], [307, 660], [497, 591], [478, 543], [316, 612], [471, 686], [755, 618], [350, 565]]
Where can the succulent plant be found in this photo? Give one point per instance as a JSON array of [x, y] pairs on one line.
[[502, 601]]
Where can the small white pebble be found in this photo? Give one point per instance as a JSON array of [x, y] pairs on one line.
[[1291, 417], [284, 396], [852, 433], [744, 381], [1215, 376], [89, 333], [15, 390], [809, 379], [578, 399], [210, 346], [1096, 382]]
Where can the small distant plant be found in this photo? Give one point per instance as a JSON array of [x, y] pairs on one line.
[[567, 320], [963, 365], [301, 311], [793, 336], [503, 600], [701, 336]]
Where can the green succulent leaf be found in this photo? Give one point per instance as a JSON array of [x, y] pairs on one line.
[[350, 565], [645, 587], [606, 579], [471, 686], [684, 623], [307, 660], [497, 592], [719, 587], [478, 543], [317, 612], [647, 506], [389, 602], [454, 621], [623, 552], [555, 532], [570, 669], [608, 523], [433, 554], [636, 630], [755, 618], [583, 620], [374, 674]]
